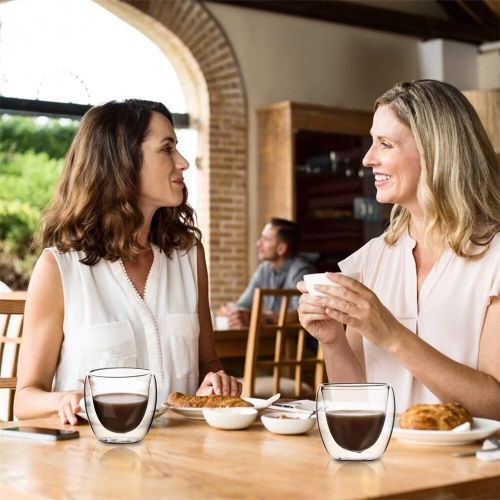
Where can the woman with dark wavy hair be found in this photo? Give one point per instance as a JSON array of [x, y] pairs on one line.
[[426, 315], [123, 279]]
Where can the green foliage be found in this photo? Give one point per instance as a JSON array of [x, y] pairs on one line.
[[28, 178], [30, 165], [22, 133]]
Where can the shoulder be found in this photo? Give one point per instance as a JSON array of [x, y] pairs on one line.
[[262, 270], [46, 280], [368, 251], [494, 246], [193, 252], [302, 265], [47, 263]]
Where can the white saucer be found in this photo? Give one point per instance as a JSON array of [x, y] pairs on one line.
[[481, 428]]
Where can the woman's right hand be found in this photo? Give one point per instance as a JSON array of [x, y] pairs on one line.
[[313, 318], [69, 406]]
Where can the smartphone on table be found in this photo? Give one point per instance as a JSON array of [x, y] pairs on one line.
[[39, 433]]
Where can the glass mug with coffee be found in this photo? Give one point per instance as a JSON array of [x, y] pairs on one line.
[[120, 403], [355, 420]]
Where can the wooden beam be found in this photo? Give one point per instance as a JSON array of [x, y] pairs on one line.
[[477, 11], [35, 107], [494, 6], [354, 14]]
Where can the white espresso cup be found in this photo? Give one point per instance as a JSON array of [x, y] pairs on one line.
[[312, 280]]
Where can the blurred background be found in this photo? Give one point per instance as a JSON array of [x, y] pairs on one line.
[[272, 102]]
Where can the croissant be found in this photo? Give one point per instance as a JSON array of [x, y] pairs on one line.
[[178, 399], [438, 417]]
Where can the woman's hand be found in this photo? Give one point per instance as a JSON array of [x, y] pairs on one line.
[[359, 308], [69, 406], [313, 318], [219, 383]]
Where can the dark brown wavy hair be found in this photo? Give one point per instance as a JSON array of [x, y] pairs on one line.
[[95, 208]]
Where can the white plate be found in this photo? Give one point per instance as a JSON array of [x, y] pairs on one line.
[[158, 412], [192, 413], [197, 413], [481, 428]]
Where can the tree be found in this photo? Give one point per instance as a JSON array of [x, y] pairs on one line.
[[31, 157]]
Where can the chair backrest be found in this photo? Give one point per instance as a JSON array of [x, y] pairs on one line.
[[292, 359], [11, 327]]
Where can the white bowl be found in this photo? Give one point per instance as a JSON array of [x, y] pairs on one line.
[[229, 418], [320, 279], [288, 422]]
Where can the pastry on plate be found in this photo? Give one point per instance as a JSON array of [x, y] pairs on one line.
[[437, 417], [180, 400]]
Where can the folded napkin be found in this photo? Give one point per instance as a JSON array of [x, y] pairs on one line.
[[490, 455]]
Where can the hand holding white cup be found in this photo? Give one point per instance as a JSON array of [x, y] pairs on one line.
[[311, 280]]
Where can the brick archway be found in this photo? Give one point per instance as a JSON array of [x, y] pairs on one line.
[[203, 58]]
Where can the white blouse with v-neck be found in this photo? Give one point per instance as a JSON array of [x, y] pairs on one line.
[[448, 313], [108, 324]]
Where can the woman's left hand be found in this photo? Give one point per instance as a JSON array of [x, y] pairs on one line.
[[219, 383], [359, 308]]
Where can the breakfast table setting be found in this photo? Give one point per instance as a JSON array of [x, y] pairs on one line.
[[272, 448]]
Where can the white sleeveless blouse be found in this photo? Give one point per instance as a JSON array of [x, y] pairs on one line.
[[448, 314], [108, 324]]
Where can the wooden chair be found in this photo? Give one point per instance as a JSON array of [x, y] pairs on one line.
[[11, 327], [291, 359]]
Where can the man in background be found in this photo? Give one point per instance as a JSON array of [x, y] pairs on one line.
[[281, 267]]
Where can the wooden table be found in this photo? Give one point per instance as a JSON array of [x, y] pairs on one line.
[[233, 343], [13, 295], [182, 458]]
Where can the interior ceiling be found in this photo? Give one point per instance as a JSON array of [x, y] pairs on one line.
[[471, 21]]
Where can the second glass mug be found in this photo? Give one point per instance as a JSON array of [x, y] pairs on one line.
[[355, 421], [120, 403]]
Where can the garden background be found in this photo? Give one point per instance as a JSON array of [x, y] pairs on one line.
[[31, 157]]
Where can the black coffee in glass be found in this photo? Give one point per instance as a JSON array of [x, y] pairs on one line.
[[120, 412], [355, 430]]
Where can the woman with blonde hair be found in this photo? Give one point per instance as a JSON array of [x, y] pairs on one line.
[[123, 279], [425, 315]]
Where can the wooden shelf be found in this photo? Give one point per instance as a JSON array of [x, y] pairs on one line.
[[292, 137]]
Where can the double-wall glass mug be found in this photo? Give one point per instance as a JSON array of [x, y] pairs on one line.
[[355, 421], [120, 403]]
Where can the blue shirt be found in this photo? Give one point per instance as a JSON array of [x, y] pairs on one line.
[[286, 277]]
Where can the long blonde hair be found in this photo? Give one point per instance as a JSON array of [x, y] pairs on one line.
[[459, 187]]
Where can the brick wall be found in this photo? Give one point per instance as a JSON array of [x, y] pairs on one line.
[[203, 58]]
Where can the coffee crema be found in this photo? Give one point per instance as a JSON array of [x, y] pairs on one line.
[[120, 412], [355, 430]]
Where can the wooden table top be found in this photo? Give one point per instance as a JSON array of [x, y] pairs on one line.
[[182, 458]]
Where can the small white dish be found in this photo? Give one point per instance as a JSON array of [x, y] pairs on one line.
[[311, 280], [288, 423], [481, 428], [230, 418]]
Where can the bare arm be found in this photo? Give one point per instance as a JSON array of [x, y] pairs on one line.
[[208, 360], [213, 379], [40, 347], [478, 390]]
